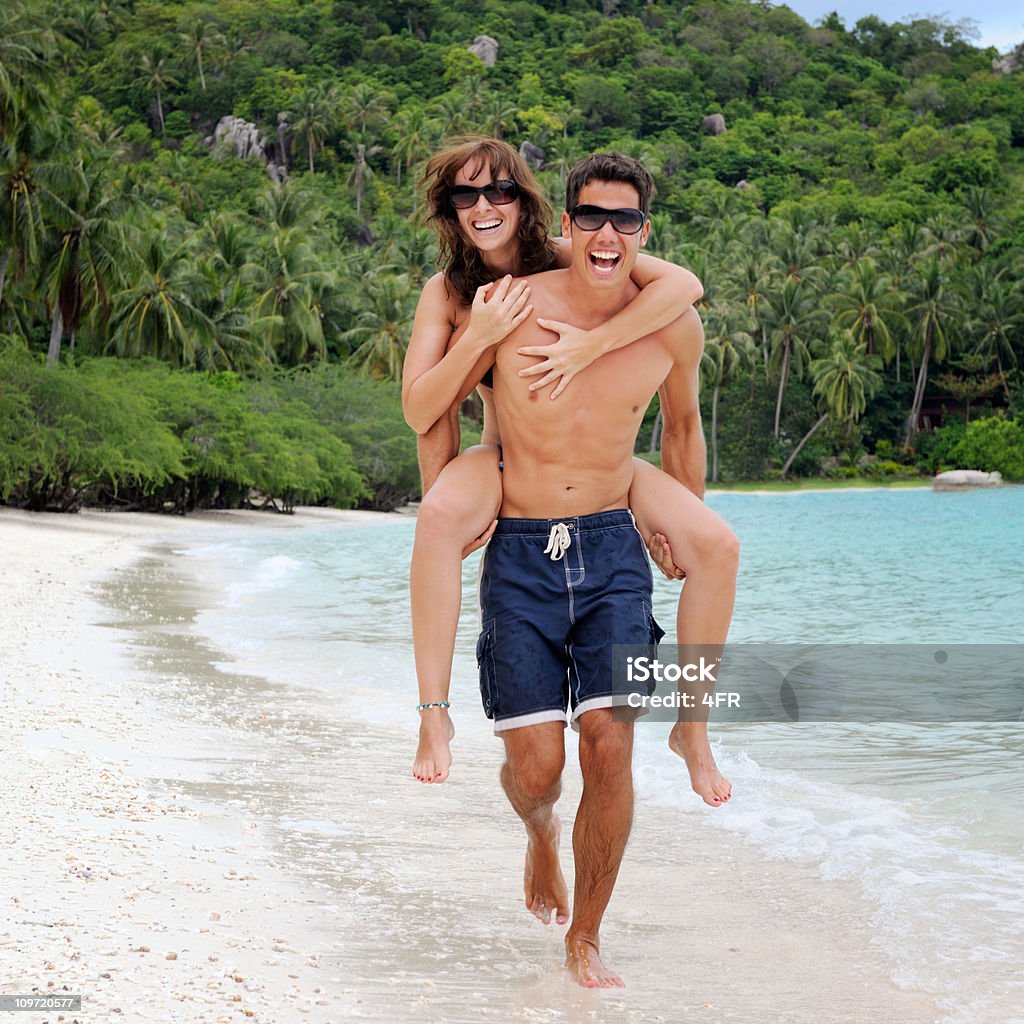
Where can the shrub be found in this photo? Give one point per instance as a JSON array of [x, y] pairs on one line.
[[994, 444]]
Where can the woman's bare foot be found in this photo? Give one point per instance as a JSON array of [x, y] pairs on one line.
[[584, 963], [690, 742], [543, 883], [433, 756]]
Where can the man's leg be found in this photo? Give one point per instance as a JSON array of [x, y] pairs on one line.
[[708, 551], [532, 779], [599, 839]]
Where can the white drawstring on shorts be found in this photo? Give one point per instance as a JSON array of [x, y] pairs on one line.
[[559, 541]]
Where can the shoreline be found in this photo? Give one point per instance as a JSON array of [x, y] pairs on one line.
[[195, 792]]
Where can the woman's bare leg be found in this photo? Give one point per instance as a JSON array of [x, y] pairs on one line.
[[455, 511], [704, 547]]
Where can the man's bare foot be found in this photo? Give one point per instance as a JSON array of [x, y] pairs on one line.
[[543, 883], [693, 747], [433, 756], [584, 963]]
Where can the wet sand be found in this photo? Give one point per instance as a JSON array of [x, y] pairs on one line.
[[190, 844]]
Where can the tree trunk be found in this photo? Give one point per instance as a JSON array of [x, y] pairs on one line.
[[922, 380], [56, 334], [4, 261], [782, 388], [897, 363], [160, 111], [714, 435], [202, 77], [796, 451], [309, 149], [656, 431]]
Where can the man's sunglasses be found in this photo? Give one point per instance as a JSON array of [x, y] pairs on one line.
[[499, 193], [593, 218]]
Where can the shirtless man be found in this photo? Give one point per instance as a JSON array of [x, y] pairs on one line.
[[566, 573]]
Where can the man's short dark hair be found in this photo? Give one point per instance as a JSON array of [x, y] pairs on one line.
[[609, 167]]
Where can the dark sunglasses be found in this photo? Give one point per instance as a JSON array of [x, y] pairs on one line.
[[593, 218], [500, 193]]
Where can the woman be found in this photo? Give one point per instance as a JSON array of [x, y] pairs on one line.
[[493, 222]]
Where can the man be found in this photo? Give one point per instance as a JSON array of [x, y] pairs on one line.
[[566, 573]]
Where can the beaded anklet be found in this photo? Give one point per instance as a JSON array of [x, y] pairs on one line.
[[434, 704]]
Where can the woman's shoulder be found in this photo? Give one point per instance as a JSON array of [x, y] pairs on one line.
[[439, 299]]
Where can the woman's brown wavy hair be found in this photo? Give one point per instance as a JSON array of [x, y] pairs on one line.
[[459, 259]]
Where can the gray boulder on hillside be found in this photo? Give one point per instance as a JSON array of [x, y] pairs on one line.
[[533, 155], [714, 124], [234, 136], [486, 48], [243, 138], [1011, 61]]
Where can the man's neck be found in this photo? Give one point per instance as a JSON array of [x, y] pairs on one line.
[[598, 303]]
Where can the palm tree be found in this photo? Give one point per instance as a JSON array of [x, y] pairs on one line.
[[844, 381], [450, 110], [864, 305], [363, 108], [796, 251], [381, 334], [159, 312], [286, 206], [238, 340], [154, 75], [230, 245], [315, 115], [930, 312], [499, 116], [748, 278], [793, 321], [417, 135], [197, 37], [726, 350], [26, 74], [362, 173], [33, 177], [997, 324], [979, 205], [290, 281], [91, 256]]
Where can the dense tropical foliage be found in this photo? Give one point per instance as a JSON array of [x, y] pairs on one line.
[[858, 225]]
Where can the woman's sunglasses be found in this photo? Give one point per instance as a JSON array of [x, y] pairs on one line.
[[499, 193], [593, 218]]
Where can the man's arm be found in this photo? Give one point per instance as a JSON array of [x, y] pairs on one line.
[[683, 451]]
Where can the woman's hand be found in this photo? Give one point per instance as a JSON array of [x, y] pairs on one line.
[[480, 541], [662, 554], [498, 309], [575, 350]]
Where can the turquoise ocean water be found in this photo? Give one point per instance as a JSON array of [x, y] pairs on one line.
[[925, 820]]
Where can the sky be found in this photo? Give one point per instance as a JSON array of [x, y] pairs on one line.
[[1000, 22]]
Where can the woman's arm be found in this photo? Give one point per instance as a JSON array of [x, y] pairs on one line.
[[435, 372], [666, 291]]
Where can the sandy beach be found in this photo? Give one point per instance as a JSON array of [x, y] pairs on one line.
[[189, 844]]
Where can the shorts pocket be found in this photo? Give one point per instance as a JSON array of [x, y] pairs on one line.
[[485, 663], [656, 632]]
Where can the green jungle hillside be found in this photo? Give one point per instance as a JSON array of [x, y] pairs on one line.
[[211, 245]]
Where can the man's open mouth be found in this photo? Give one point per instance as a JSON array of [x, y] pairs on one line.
[[604, 260]]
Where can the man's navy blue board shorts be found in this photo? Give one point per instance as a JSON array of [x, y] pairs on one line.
[[555, 594]]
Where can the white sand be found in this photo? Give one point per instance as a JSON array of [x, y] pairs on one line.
[[133, 877]]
